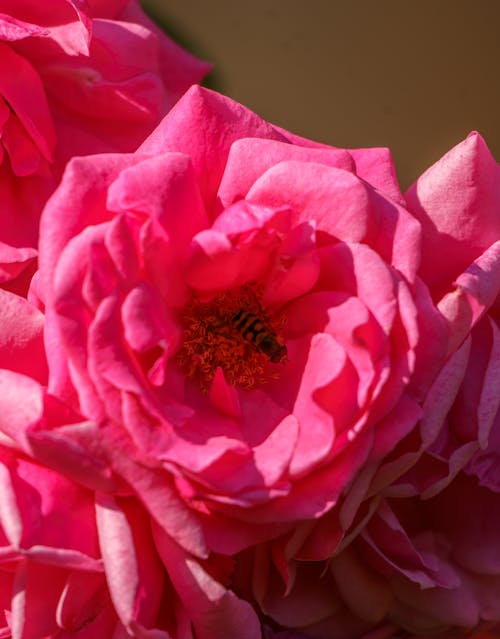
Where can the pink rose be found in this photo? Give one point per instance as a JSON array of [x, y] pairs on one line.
[[438, 558], [426, 555], [78, 562], [83, 557], [428, 567], [462, 407], [70, 86], [52, 575], [162, 274], [458, 475]]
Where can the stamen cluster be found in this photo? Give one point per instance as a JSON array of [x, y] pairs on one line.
[[212, 340]]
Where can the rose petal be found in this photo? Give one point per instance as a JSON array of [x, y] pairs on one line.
[[204, 124], [456, 202], [215, 611], [249, 158], [21, 337]]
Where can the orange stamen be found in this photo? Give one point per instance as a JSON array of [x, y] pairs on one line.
[[211, 339]]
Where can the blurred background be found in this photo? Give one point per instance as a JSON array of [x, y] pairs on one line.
[[415, 76]]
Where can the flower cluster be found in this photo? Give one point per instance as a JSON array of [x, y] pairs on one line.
[[249, 388]]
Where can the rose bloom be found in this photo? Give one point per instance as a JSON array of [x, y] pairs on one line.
[[426, 560], [71, 87], [83, 558], [237, 314]]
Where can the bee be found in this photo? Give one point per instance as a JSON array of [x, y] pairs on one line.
[[253, 329]]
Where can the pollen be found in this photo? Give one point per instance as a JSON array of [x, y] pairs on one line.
[[231, 331]]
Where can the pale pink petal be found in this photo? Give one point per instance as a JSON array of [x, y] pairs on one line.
[[19, 390], [364, 592], [215, 611], [12, 29], [456, 201], [135, 581], [21, 337], [474, 292], [10, 517]]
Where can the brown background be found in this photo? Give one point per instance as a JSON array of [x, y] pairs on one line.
[[416, 75]]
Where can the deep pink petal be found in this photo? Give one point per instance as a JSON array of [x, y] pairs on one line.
[[223, 396], [146, 323], [22, 88], [236, 250], [30, 193], [249, 158], [14, 260], [54, 496], [297, 268], [204, 125], [10, 516], [376, 166], [396, 235], [316, 493], [312, 598], [37, 590], [85, 607], [316, 425], [157, 492], [228, 536], [358, 270], [69, 451], [313, 191], [177, 203]]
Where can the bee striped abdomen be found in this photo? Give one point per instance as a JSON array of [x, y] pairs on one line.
[[251, 327]]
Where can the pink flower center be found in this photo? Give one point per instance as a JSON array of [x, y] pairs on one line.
[[234, 332]]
